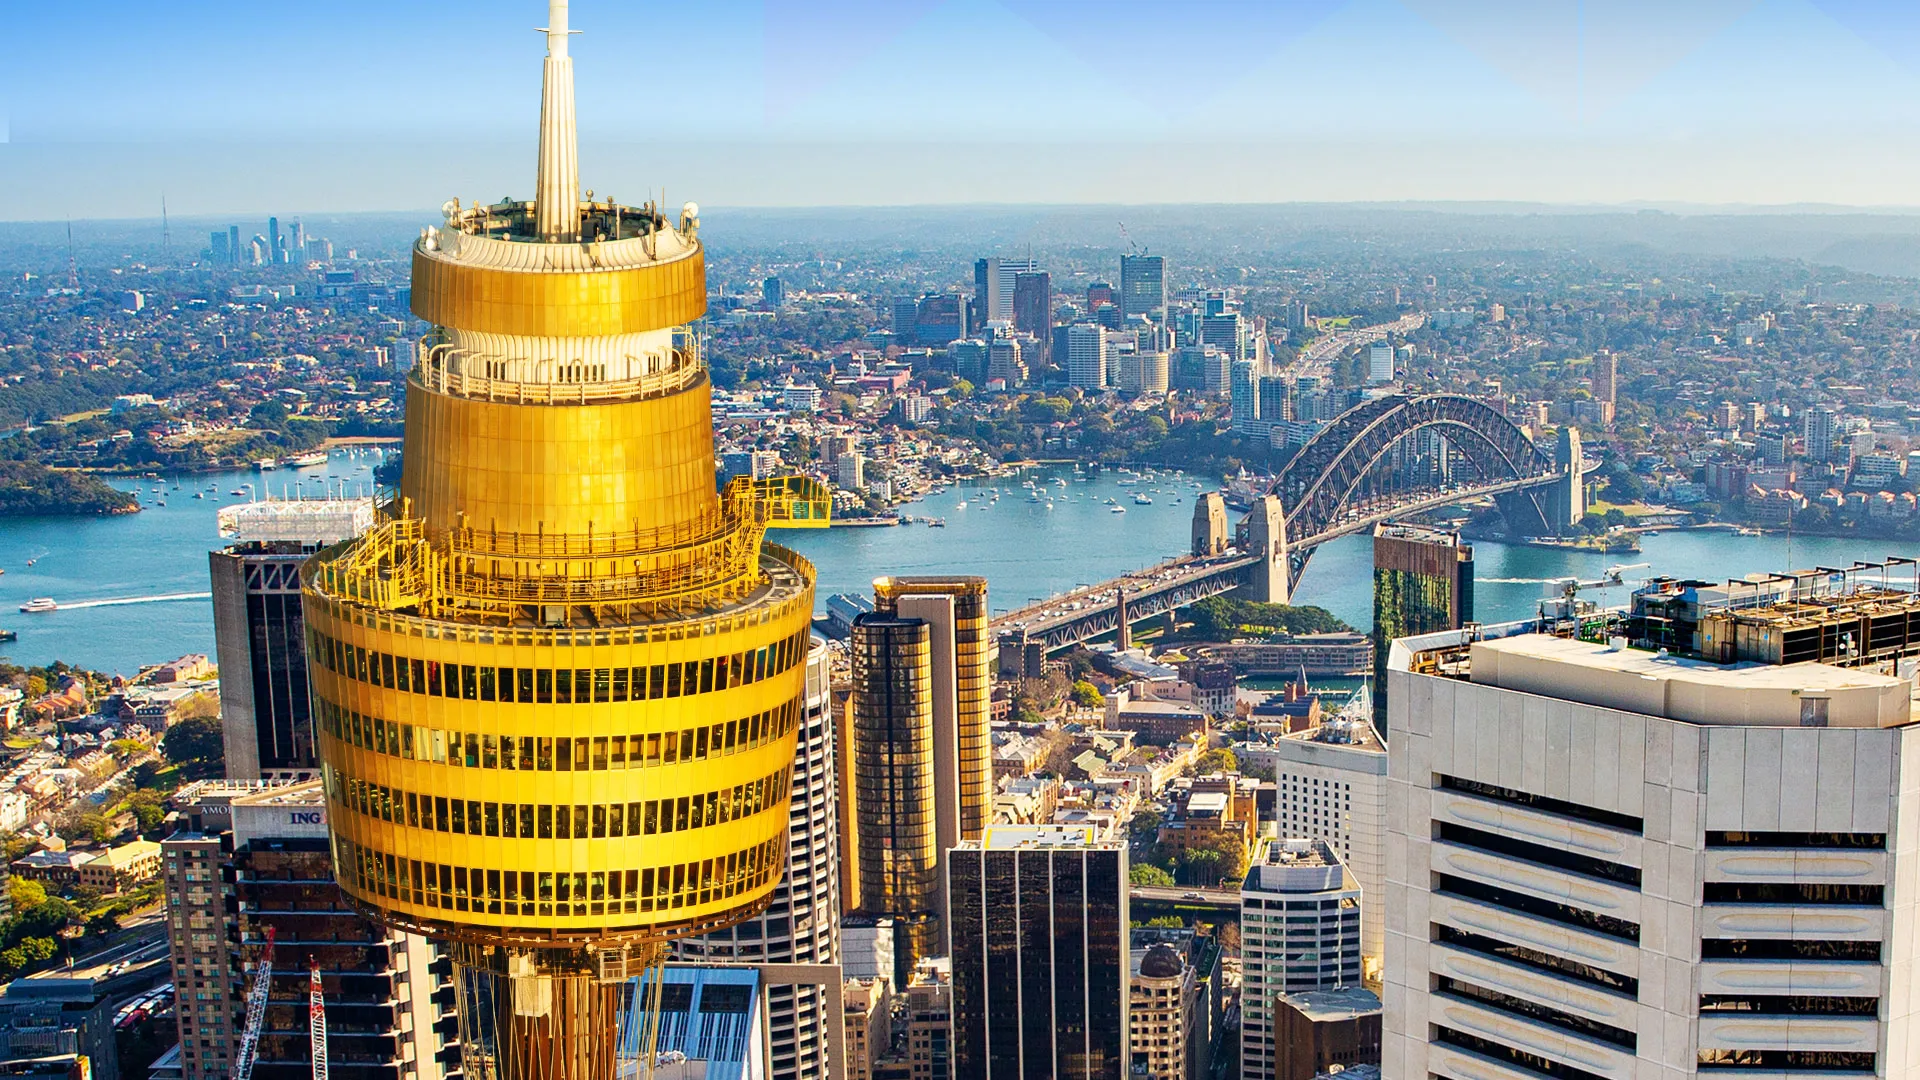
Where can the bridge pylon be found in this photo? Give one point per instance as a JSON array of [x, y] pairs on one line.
[[1269, 580]]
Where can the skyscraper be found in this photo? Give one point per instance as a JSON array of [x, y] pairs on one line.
[[259, 634], [895, 776], [1087, 356], [923, 767], [1040, 958], [801, 924], [1243, 403], [1821, 429], [276, 243], [994, 283], [772, 292], [972, 660], [233, 244], [1033, 311], [559, 684], [1607, 861], [1223, 328], [1143, 286], [1300, 919], [1606, 378], [1422, 582]]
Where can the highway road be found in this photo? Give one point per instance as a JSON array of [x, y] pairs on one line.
[[1340, 341], [1185, 895]]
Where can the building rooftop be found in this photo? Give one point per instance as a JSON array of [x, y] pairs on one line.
[[1298, 851], [1345, 731], [1689, 689], [306, 521], [1015, 837], [1428, 534], [1207, 802], [1334, 1003], [1297, 865]]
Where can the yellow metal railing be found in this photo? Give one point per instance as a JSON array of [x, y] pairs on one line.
[[788, 502], [695, 566], [390, 567]]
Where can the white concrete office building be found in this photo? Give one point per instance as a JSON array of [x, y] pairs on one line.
[[1299, 930], [1330, 782], [1616, 864]]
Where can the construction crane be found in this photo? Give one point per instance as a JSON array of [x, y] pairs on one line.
[[1129, 239], [317, 1021], [256, 1012]]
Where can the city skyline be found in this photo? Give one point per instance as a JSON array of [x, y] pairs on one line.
[[1381, 100]]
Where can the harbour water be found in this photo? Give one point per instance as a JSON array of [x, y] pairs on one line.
[[132, 589]]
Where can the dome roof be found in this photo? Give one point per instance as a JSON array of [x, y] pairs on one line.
[[1162, 961]]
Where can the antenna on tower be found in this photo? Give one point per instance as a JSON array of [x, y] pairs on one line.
[[166, 234], [73, 265], [556, 193]]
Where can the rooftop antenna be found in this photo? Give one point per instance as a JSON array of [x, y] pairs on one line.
[[556, 193]]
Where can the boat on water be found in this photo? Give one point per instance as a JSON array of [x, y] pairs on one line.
[[1118, 509], [1141, 500], [9, 635], [199, 494], [301, 461], [936, 523], [39, 605]]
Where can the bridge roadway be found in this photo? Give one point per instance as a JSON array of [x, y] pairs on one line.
[[1089, 612], [1094, 611]]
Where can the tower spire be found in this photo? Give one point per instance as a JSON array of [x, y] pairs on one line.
[[556, 195]]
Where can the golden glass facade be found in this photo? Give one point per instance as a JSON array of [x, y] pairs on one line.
[[973, 646], [557, 684], [894, 778]]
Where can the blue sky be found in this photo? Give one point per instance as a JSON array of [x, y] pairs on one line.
[[232, 107]]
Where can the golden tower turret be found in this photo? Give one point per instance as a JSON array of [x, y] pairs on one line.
[[557, 684]]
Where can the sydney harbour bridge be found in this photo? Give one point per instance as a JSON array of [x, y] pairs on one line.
[[1339, 482]]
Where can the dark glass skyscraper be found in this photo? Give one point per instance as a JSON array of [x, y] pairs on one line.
[[1033, 312], [260, 635], [1040, 954], [1143, 286]]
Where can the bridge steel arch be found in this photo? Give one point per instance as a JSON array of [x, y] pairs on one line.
[[1317, 482]]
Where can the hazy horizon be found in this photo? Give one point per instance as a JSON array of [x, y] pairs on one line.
[[106, 106]]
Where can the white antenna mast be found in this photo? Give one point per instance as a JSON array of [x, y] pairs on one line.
[[556, 192]]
